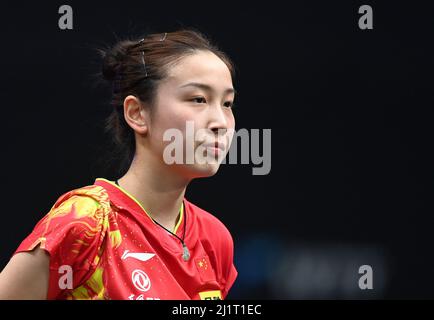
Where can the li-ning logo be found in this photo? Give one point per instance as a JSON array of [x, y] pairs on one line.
[[141, 280], [142, 256]]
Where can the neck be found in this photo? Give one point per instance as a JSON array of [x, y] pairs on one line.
[[158, 190]]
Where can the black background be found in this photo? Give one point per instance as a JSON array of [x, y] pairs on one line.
[[350, 110]]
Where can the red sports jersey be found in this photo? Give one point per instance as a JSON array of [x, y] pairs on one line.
[[103, 245]]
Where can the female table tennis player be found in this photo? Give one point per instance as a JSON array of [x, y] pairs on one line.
[[137, 237]]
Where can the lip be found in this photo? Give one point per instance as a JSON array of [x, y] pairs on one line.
[[215, 145], [216, 148]]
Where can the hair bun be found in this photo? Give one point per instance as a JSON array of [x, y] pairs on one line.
[[112, 61]]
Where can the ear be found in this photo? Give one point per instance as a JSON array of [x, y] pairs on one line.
[[136, 115]]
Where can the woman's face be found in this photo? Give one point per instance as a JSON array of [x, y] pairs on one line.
[[192, 123]]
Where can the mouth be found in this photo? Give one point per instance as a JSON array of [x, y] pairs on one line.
[[216, 148]]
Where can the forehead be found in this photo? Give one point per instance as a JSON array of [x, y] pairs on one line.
[[202, 66]]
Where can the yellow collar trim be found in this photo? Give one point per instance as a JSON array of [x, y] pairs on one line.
[[181, 210]]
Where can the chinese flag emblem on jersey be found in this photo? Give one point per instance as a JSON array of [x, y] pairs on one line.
[[205, 269]]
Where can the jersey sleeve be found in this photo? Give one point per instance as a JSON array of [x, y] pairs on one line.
[[71, 233]]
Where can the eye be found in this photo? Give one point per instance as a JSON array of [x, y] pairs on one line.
[[229, 104], [199, 100]]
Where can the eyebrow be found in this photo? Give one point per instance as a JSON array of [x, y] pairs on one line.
[[206, 87]]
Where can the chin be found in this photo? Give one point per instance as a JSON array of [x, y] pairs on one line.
[[205, 170]]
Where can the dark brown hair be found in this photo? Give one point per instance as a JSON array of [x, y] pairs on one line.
[[135, 67]]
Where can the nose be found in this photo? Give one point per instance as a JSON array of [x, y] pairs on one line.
[[218, 120]]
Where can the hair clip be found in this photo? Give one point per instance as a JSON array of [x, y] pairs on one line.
[[144, 65], [143, 53], [143, 56]]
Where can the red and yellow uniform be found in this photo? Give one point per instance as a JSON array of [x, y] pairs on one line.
[[112, 249]]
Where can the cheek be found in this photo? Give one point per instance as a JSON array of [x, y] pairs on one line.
[[231, 121], [170, 115], [169, 122]]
